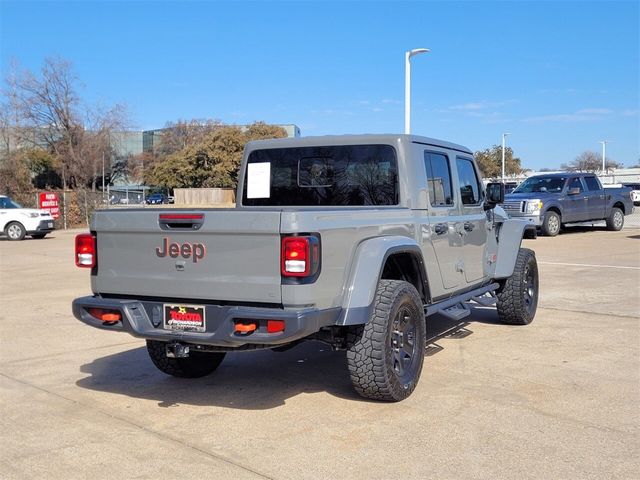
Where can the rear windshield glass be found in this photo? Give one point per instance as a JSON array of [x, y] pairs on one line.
[[322, 176]]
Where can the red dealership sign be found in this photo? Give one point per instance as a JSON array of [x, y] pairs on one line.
[[49, 202]]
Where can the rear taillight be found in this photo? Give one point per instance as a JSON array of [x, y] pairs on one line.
[[85, 250], [300, 256]]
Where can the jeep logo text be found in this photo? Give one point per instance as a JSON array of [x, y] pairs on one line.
[[197, 251]]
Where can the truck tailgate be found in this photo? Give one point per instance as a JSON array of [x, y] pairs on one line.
[[221, 255]]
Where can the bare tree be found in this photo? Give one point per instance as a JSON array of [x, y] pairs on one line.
[[49, 105], [49, 114], [100, 145], [179, 135], [589, 161], [6, 129]]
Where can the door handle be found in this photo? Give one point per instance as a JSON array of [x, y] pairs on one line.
[[468, 226], [440, 228]]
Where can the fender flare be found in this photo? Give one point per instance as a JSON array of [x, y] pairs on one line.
[[509, 242], [366, 270]]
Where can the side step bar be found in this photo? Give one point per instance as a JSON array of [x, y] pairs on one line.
[[457, 312], [455, 307]]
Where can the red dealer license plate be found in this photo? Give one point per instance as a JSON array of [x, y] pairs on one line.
[[186, 318]]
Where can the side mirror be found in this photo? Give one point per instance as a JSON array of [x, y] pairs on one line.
[[573, 191], [495, 195]]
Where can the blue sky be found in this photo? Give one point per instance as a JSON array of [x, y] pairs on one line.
[[559, 76]]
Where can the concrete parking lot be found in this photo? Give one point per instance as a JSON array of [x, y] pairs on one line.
[[557, 399]]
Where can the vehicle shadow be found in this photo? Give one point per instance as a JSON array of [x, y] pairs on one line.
[[255, 380], [27, 238], [582, 229]]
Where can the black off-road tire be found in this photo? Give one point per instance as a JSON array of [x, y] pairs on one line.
[[518, 297], [615, 222], [385, 356], [551, 224], [15, 231], [38, 236], [196, 365]]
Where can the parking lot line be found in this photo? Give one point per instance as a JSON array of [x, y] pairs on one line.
[[589, 265]]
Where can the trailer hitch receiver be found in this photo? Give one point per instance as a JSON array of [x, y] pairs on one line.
[[177, 350]]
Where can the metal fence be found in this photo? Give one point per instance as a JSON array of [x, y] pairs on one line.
[[125, 196], [76, 206]]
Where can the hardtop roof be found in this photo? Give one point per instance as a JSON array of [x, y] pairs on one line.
[[363, 139]]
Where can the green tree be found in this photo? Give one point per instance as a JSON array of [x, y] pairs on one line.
[[212, 162], [490, 162]]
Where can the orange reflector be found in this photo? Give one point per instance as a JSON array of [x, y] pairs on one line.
[[275, 326], [246, 327], [105, 315]]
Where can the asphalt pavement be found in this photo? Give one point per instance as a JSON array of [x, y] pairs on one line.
[[558, 399]]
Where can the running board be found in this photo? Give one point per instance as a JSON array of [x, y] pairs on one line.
[[476, 295], [489, 299], [457, 312]]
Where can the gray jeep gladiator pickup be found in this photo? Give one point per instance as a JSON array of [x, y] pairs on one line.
[[349, 240], [551, 200]]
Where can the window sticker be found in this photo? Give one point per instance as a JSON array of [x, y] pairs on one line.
[[259, 180]]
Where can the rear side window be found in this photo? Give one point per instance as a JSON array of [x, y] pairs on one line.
[[470, 191], [438, 179], [342, 175], [592, 183]]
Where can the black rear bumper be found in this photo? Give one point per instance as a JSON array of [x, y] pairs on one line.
[[144, 319], [45, 226]]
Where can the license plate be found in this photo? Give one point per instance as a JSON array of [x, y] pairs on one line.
[[50, 225], [186, 318]]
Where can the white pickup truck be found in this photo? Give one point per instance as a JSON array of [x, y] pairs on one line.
[[635, 192], [17, 222]]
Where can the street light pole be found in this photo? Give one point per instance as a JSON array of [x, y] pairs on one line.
[[103, 177], [504, 136], [604, 155], [407, 86]]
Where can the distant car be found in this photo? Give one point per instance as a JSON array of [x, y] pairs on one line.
[[17, 222], [510, 187], [635, 192], [156, 199]]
